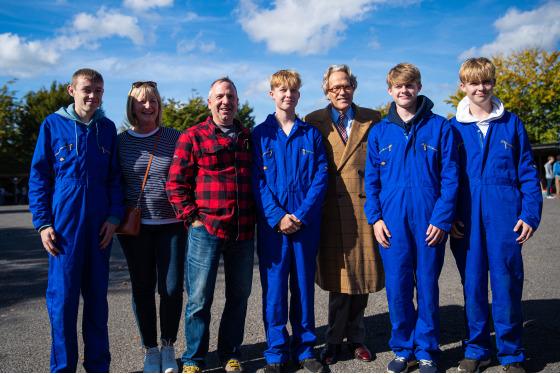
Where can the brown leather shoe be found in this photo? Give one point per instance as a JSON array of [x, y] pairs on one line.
[[329, 355], [361, 352]]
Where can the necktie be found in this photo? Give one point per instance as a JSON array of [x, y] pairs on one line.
[[341, 128]]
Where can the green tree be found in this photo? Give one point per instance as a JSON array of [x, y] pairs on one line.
[[9, 112], [528, 83], [383, 109], [181, 116], [34, 108]]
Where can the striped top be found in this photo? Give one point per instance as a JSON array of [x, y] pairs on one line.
[[134, 151]]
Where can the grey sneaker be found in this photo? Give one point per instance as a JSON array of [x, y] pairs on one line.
[[400, 365], [152, 361], [168, 362], [470, 365]]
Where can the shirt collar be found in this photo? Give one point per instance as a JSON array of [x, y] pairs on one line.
[[335, 114]]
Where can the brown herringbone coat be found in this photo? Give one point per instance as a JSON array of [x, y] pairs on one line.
[[348, 260]]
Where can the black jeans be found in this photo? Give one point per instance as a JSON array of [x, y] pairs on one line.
[[157, 256]]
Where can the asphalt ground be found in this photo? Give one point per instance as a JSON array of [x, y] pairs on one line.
[[25, 330]]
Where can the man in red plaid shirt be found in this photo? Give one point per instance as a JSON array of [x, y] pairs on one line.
[[209, 187]]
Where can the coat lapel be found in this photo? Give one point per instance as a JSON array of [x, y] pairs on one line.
[[357, 133]]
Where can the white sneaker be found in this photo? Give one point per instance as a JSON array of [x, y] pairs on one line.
[[550, 197], [168, 362], [152, 361]]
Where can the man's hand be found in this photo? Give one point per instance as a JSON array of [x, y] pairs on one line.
[[48, 237], [288, 224], [382, 233], [526, 232], [435, 235], [197, 222], [455, 232], [107, 230]]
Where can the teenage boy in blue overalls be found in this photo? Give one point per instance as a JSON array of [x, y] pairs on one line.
[[289, 183], [76, 198], [411, 186], [499, 208]]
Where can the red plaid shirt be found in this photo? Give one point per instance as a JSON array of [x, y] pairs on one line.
[[211, 176]]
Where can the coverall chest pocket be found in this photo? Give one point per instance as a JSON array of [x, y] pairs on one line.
[[385, 160], [214, 157], [306, 165], [269, 166], [64, 152], [430, 151], [505, 153]]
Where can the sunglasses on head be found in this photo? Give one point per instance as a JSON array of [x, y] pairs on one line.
[[141, 83]]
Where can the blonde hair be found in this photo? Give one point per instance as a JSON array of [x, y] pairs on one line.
[[89, 74], [288, 78], [333, 69], [403, 74], [477, 70], [145, 91]]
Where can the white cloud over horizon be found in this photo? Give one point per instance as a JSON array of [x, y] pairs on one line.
[[27, 58], [518, 30]]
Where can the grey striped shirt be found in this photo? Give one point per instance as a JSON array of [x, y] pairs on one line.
[[134, 152]]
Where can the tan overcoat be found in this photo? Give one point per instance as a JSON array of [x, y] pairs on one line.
[[348, 260]]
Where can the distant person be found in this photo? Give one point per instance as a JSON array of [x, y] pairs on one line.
[[556, 171], [289, 182], [549, 177], [157, 254], [411, 184], [499, 208], [75, 195], [210, 189], [2, 194], [349, 266]]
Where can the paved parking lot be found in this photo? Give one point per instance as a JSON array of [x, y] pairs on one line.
[[25, 329]]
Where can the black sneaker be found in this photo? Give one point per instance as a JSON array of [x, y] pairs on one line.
[[274, 368], [311, 365], [470, 365], [514, 367]]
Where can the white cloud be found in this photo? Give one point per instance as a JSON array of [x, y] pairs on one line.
[[106, 24], [23, 58], [519, 30], [140, 5], [186, 46], [304, 26]]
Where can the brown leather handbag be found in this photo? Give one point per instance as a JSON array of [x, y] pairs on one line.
[[130, 225]]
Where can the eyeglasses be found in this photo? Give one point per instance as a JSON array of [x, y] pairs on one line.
[[336, 89], [141, 83]]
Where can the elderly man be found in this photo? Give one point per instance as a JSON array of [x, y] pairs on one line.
[[348, 264], [209, 187]]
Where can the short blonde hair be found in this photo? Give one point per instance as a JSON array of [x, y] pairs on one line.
[[477, 70], [403, 74], [145, 91], [287, 78], [335, 68]]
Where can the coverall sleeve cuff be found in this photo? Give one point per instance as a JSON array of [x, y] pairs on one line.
[[44, 226], [114, 220]]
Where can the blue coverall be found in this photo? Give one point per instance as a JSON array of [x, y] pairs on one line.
[[411, 182], [289, 177], [499, 184], [75, 186]]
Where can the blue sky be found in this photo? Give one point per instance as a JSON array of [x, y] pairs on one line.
[[185, 45]]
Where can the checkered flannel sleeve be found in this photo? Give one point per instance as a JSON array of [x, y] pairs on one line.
[[181, 180]]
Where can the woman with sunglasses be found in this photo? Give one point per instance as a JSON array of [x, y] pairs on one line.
[[157, 254]]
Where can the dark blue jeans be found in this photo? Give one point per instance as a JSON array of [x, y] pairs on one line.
[[156, 256], [203, 259]]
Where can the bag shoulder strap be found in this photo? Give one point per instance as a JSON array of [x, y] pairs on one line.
[[148, 169]]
